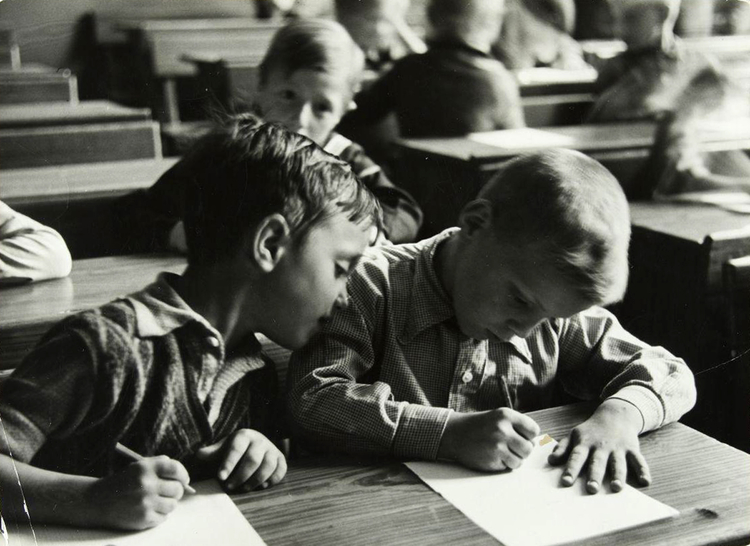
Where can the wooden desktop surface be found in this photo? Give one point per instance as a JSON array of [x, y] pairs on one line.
[[21, 188], [350, 501], [45, 115], [27, 311]]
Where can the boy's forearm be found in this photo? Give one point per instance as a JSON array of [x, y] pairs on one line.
[[48, 496]]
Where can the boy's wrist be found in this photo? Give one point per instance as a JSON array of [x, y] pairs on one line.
[[623, 411]]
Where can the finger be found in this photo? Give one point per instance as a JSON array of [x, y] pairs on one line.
[[510, 459], [524, 425], [578, 456], [245, 467], [171, 489], [598, 459], [279, 473], [560, 454], [164, 506], [618, 471], [236, 450], [520, 446], [264, 472], [639, 467], [169, 469]]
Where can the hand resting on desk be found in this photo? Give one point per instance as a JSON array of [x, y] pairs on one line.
[[608, 443], [246, 460]]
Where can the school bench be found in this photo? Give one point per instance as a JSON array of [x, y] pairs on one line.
[[344, 500], [51, 114], [161, 44], [554, 81], [76, 200], [34, 87], [443, 174]]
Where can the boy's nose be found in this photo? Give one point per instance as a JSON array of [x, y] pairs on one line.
[[522, 328], [304, 115], [342, 301]]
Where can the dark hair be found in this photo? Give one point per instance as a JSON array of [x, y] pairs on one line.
[[316, 44], [573, 207], [247, 170]]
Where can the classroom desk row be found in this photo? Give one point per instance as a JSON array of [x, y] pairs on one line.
[[356, 500]]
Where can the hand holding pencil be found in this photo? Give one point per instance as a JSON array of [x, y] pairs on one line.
[[140, 496]]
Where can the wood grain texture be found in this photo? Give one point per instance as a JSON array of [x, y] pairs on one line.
[[69, 144], [351, 500], [27, 311]]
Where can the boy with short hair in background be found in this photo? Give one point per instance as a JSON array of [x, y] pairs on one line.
[[446, 341], [456, 87], [306, 82], [174, 371]]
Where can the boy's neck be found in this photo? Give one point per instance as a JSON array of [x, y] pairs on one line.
[[211, 292], [443, 262]]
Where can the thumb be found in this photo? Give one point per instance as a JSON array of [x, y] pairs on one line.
[[558, 455]]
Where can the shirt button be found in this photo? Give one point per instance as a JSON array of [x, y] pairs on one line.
[[212, 341], [467, 377]]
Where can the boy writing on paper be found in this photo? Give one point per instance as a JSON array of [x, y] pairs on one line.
[[447, 341], [306, 82], [175, 372]]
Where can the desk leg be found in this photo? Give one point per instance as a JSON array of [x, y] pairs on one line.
[[171, 107]]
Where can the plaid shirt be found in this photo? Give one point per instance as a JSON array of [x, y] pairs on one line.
[[385, 373]]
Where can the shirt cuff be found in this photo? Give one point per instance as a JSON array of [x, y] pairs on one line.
[[646, 402], [419, 432]]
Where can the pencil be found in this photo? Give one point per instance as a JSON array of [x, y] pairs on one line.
[[125, 451], [506, 392]]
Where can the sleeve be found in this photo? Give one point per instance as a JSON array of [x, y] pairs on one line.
[[30, 251], [401, 213], [145, 219], [599, 359], [335, 398], [48, 395], [510, 113]]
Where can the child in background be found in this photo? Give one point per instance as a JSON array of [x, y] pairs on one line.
[[306, 82], [29, 251], [175, 372], [678, 163], [456, 87], [537, 33], [644, 81], [446, 341]]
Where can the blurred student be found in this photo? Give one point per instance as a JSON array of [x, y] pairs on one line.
[[448, 342], [644, 81], [306, 82], [274, 226], [538, 33], [29, 251], [456, 87], [379, 28]]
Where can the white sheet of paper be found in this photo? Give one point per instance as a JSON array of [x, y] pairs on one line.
[[209, 517], [517, 139], [528, 507]]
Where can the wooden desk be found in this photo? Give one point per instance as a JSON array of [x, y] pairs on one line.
[[27, 311], [444, 173], [39, 88], [674, 295], [348, 501], [84, 143], [164, 42], [77, 200], [554, 81], [82, 113]]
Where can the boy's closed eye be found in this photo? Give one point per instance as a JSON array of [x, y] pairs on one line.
[[288, 94]]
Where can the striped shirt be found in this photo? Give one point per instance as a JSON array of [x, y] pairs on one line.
[[386, 372]]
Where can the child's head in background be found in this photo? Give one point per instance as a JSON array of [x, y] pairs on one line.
[[371, 23], [308, 77], [283, 219], [645, 23], [547, 237], [476, 23]]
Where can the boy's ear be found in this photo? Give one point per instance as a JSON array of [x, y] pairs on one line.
[[271, 241], [475, 216]]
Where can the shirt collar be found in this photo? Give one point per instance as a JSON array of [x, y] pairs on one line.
[[432, 304]]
